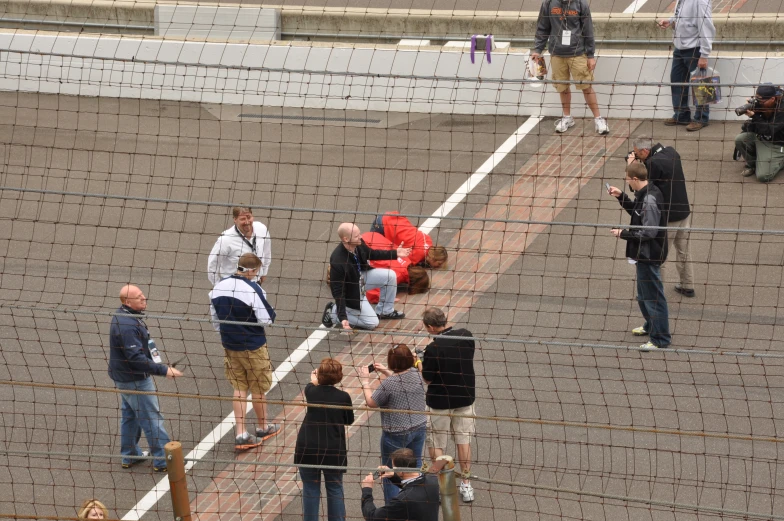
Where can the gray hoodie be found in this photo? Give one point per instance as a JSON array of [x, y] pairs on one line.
[[693, 27], [555, 16]]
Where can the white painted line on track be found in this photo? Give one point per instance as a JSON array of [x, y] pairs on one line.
[[636, 6], [224, 427], [476, 178]]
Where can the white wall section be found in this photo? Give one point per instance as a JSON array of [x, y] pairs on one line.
[[341, 77]]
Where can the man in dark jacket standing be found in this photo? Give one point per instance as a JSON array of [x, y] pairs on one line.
[[418, 500], [666, 172], [131, 366], [647, 250], [351, 276], [762, 141], [566, 28]]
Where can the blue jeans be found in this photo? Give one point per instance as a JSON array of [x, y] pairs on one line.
[[390, 442], [653, 304], [141, 412], [684, 61], [311, 494], [378, 225]]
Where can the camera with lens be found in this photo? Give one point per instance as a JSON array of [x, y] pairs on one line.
[[751, 105]]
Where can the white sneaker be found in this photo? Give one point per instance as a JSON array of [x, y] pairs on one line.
[[466, 491], [563, 124], [601, 126]]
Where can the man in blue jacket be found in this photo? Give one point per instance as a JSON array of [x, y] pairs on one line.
[[131, 366], [247, 365], [646, 248]]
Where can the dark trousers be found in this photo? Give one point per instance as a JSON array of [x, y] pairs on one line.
[[653, 304], [311, 494], [684, 61]]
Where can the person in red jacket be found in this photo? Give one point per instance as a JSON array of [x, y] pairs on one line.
[[415, 277], [398, 229]]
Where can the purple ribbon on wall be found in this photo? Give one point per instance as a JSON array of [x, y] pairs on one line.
[[488, 46]]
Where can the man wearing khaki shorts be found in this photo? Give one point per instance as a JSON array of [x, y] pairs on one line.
[[448, 369], [566, 27], [247, 366]]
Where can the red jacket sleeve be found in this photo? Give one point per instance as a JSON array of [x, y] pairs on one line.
[[378, 242], [399, 229]]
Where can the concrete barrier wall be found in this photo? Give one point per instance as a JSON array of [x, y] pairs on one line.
[[381, 78]]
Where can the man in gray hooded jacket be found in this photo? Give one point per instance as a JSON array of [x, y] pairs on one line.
[[566, 27], [693, 34]]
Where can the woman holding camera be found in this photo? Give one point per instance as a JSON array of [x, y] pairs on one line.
[[401, 388], [322, 441]]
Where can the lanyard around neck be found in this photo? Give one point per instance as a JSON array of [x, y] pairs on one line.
[[252, 245]]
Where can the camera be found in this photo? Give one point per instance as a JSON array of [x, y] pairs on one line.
[[751, 105]]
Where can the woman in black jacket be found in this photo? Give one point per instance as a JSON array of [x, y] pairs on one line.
[[322, 441]]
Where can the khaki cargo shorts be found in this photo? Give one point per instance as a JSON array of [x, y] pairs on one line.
[[249, 370], [575, 68], [439, 427]]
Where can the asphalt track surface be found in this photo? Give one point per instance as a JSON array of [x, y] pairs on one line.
[[572, 284]]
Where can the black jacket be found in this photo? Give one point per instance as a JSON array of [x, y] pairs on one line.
[[344, 274], [418, 501], [666, 172], [448, 365], [645, 245], [129, 354], [767, 129], [322, 437]]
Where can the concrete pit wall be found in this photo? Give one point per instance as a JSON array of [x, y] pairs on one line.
[[341, 76]]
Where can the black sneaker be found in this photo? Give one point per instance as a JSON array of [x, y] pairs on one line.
[[395, 315], [160, 470], [326, 318], [133, 462], [683, 291]]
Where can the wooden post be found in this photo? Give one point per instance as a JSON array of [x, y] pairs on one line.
[[450, 505], [181, 503]]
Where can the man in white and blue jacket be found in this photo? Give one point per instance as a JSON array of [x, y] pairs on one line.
[[240, 300], [131, 367]]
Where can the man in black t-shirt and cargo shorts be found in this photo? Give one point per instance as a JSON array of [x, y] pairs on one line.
[[448, 369]]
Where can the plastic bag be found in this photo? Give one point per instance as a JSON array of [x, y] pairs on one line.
[[703, 88], [536, 68]]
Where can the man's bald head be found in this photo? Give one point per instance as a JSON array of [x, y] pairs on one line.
[[132, 297], [345, 229], [350, 235]]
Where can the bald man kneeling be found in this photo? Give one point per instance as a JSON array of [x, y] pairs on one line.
[[131, 366], [351, 276]]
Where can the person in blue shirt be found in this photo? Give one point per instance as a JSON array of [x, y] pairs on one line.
[[131, 367]]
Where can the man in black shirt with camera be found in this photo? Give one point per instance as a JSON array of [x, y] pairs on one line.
[[665, 170], [762, 141], [448, 369], [419, 497]]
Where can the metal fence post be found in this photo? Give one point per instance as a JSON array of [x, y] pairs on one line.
[[181, 503], [450, 505]]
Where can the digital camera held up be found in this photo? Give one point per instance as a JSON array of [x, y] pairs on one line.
[[751, 105]]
